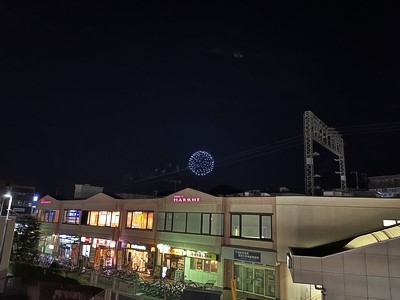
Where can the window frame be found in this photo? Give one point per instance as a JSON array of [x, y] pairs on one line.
[[205, 223], [260, 226], [106, 219], [77, 218], [44, 214], [132, 219]]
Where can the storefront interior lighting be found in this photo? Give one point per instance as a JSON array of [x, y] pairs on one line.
[[163, 248]]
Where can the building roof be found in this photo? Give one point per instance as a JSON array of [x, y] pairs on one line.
[[349, 243]]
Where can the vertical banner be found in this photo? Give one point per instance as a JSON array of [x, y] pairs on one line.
[[233, 288]]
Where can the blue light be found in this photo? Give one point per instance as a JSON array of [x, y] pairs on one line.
[[201, 163]]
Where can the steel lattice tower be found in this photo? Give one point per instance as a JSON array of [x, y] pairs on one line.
[[316, 130]]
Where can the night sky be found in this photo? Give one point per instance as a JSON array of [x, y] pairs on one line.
[[120, 94]]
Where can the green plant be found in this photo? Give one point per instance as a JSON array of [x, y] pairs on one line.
[[26, 240]]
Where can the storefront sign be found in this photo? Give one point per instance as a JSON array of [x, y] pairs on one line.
[[137, 247], [182, 198], [201, 254], [85, 239], [101, 242], [211, 256], [247, 255], [45, 201], [176, 251]]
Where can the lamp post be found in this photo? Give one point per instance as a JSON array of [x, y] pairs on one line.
[[162, 248], [3, 238]]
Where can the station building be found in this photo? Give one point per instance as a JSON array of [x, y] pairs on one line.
[[201, 237]]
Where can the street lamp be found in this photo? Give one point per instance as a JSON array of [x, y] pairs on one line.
[[3, 239], [162, 248]]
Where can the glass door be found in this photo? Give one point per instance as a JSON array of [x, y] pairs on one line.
[[255, 279], [259, 281], [248, 284], [238, 275], [270, 283]]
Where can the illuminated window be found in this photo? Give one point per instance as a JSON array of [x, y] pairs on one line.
[[140, 219], [390, 222], [115, 219], [102, 221], [93, 218], [49, 216], [251, 226], [103, 218], [71, 216], [205, 265]]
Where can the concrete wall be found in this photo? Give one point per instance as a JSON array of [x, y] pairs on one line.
[[8, 241]]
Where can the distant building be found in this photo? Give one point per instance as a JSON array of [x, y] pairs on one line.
[[387, 185], [83, 191], [24, 198]]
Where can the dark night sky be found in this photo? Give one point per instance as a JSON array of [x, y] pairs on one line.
[[114, 94]]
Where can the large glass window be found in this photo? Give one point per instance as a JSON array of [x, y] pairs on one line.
[[206, 224], [168, 222], [194, 223], [205, 265], [139, 219], [103, 218], [49, 215], [71, 216], [217, 224], [161, 221], [179, 224], [251, 226], [235, 225]]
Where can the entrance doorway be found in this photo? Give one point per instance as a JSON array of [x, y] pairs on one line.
[[255, 279]]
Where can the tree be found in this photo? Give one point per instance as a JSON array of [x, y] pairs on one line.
[[26, 240]]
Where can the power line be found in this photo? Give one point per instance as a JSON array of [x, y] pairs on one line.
[[264, 150]]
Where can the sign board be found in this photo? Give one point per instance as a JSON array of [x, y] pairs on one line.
[[182, 198], [245, 255]]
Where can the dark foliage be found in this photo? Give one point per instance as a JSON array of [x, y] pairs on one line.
[[26, 240]]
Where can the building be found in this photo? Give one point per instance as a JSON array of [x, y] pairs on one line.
[[387, 186], [361, 267], [83, 191], [206, 238], [24, 198]]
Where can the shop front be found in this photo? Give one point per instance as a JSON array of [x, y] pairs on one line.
[[175, 263], [102, 253], [198, 266], [254, 271], [138, 257], [68, 248], [48, 244]]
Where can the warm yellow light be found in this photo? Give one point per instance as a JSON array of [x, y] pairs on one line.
[[163, 248]]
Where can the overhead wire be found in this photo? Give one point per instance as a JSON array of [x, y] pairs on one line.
[[263, 150]]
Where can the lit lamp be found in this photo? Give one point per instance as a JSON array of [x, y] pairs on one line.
[[163, 248], [3, 239]]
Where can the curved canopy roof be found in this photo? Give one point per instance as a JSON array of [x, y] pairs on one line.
[[374, 237]]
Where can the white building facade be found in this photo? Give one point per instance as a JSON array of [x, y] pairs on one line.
[[204, 238]]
